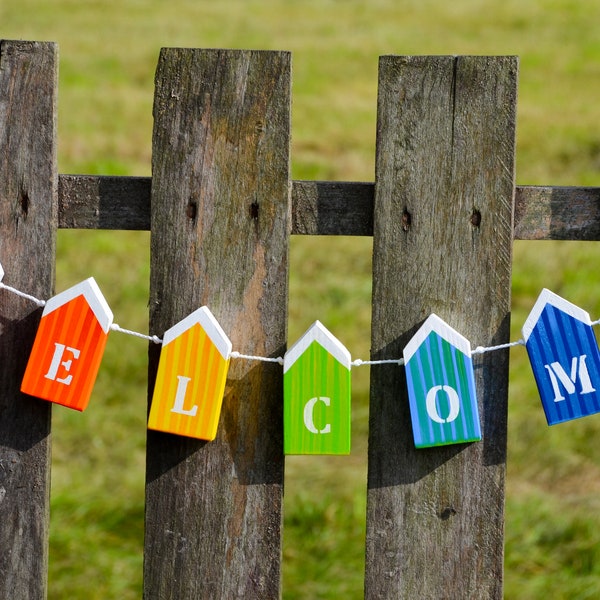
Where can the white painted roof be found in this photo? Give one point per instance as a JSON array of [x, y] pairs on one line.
[[207, 321], [90, 290], [437, 325], [548, 297], [317, 332]]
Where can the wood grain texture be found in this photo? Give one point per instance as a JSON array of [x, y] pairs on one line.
[[326, 207], [28, 198], [442, 243], [557, 213], [332, 208], [220, 227], [104, 202]]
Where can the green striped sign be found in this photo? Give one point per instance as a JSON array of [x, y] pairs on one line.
[[441, 386], [316, 395]]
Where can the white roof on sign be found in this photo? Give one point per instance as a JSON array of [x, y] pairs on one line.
[[207, 321], [548, 297], [317, 332], [433, 323], [90, 290]]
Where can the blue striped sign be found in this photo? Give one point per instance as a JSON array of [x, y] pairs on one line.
[[441, 386], [564, 357]]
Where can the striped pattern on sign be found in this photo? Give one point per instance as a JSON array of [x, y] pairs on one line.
[[442, 374], [317, 404], [189, 388], [73, 325], [565, 360]]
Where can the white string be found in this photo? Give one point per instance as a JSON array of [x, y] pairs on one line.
[[355, 363], [481, 349], [8, 288], [151, 338], [235, 354], [388, 361]]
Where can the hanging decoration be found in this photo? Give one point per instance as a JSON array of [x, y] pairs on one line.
[[196, 353], [191, 376], [564, 357], [441, 386], [68, 346], [316, 395]]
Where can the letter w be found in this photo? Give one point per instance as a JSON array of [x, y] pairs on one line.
[[578, 370]]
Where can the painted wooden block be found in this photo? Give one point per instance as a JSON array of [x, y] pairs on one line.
[[441, 386], [191, 377], [316, 388], [564, 357], [68, 346]]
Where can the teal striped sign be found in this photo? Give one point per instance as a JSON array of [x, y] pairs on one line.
[[316, 395], [441, 386]]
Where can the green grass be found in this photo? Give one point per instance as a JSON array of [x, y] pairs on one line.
[[108, 54]]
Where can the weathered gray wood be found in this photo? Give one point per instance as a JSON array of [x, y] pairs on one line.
[[326, 207], [104, 202], [332, 208], [557, 213], [442, 243], [220, 226], [28, 91]]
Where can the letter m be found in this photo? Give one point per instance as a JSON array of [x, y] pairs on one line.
[[578, 371]]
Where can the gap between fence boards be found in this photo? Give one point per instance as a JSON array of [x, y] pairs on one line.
[[327, 207]]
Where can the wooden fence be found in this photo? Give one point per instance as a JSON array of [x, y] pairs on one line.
[[443, 212]]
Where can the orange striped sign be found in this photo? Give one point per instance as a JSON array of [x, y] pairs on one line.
[[68, 346], [191, 376]]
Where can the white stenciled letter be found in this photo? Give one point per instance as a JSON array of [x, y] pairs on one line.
[[578, 370], [308, 415], [453, 399], [58, 362], [180, 398]]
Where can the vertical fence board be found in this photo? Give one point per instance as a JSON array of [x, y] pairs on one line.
[[28, 221], [442, 243], [220, 227]]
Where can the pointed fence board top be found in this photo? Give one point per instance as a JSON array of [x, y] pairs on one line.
[[547, 297], [437, 325], [211, 326], [317, 332], [91, 292]]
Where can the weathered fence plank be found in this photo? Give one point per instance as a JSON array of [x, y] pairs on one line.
[[28, 209], [442, 243], [220, 227]]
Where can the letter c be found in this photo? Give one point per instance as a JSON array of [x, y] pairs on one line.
[[309, 408]]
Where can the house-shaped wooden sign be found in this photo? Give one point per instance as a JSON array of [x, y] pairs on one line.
[[68, 346], [441, 386], [564, 357], [316, 389], [191, 376]]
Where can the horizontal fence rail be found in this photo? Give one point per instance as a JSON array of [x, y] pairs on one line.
[[326, 207]]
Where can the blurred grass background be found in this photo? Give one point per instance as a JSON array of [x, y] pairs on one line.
[[108, 54]]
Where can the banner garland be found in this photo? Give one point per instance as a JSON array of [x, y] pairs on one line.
[[196, 352]]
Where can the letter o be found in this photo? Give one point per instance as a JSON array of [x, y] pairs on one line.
[[452, 398]]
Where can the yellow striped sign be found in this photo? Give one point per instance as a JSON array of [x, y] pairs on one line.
[[191, 377]]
